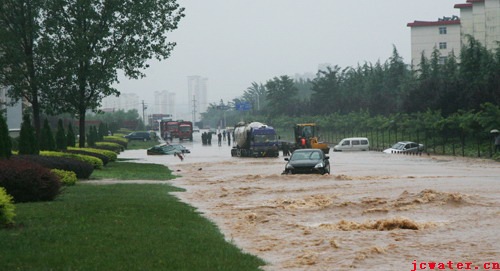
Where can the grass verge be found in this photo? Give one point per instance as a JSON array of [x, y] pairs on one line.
[[138, 145], [117, 227], [123, 170]]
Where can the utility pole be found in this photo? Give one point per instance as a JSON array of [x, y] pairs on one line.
[[144, 107]]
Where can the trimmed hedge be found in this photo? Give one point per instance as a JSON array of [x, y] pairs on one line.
[[116, 139], [65, 177], [94, 161], [112, 156], [103, 157], [27, 182], [83, 170], [7, 209], [109, 146]]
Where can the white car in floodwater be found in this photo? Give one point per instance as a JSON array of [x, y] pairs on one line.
[[405, 147]]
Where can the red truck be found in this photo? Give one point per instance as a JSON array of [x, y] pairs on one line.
[[169, 129], [185, 130]]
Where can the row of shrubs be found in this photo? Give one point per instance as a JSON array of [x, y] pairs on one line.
[[30, 178]]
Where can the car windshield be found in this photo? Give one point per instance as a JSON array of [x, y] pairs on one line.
[[264, 138], [398, 146], [303, 155]]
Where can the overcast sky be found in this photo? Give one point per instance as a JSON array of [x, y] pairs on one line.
[[236, 42]]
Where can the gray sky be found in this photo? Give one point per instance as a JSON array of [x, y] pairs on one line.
[[236, 42]]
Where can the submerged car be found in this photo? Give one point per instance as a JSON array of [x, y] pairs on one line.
[[167, 149], [306, 161], [142, 136], [405, 147]]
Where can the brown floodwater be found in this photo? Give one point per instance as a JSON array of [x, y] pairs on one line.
[[375, 211]]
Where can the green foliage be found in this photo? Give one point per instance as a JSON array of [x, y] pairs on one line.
[[134, 171], [28, 182], [94, 161], [61, 141], [65, 177], [5, 140], [281, 94], [112, 156], [102, 131], [27, 140], [70, 137], [92, 136], [47, 142], [118, 227], [109, 146], [7, 208]]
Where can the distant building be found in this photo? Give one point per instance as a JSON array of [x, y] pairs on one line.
[[12, 113], [197, 96], [478, 18], [164, 103], [125, 102]]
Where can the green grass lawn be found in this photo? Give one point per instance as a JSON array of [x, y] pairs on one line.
[[123, 170], [117, 227]]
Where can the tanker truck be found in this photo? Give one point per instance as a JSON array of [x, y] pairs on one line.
[[255, 139]]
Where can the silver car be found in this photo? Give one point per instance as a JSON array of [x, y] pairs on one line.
[[405, 147]]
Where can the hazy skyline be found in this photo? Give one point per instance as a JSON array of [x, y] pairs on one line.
[[236, 42]]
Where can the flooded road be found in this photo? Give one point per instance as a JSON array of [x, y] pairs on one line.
[[375, 211]]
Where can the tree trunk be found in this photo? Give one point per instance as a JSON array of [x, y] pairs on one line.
[[81, 125]]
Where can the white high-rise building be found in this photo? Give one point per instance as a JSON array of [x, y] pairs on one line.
[[478, 18], [197, 96], [164, 103], [125, 102]]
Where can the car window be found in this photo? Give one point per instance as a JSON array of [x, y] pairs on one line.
[[297, 156], [355, 142], [364, 142], [315, 156], [346, 143]]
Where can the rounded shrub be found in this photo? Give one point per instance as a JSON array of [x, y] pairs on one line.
[[28, 182], [7, 208], [112, 156], [83, 170], [116, 139], [103, 157], [65, 177], [109, 146], [94, 161]]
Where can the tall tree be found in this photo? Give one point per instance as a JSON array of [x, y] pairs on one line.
[[70, 136], [28, 144], [256, 95], [5, 142], [281, 94], [21, 60], [93, 39], [47, 142], [61, 141]]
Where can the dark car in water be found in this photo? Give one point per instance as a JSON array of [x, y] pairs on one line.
[[142, 136], [307, 161]]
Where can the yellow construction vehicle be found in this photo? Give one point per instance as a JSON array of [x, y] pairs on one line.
[[307, 136]]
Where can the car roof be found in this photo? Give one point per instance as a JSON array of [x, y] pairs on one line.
[[308, 150]]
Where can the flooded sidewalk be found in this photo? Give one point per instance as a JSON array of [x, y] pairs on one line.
[[375, 211]]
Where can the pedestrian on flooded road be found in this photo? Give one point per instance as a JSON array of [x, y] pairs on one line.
[[229, 139], [219, 136]]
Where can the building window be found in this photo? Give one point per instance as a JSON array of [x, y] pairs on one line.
[[442, 30], [442, 45], [442, 60]]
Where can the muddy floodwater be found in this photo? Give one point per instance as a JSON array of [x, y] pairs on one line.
[[375, 211]]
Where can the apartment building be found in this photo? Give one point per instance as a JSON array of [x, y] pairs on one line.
[[478, 18]]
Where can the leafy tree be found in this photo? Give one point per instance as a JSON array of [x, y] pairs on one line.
[[21, 58], [28, 143], [256, 95], [47, 142], [94, 39], [61, 141], [70, 137], [102, 131], [326, 89], [281, 94], [5, 142]]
